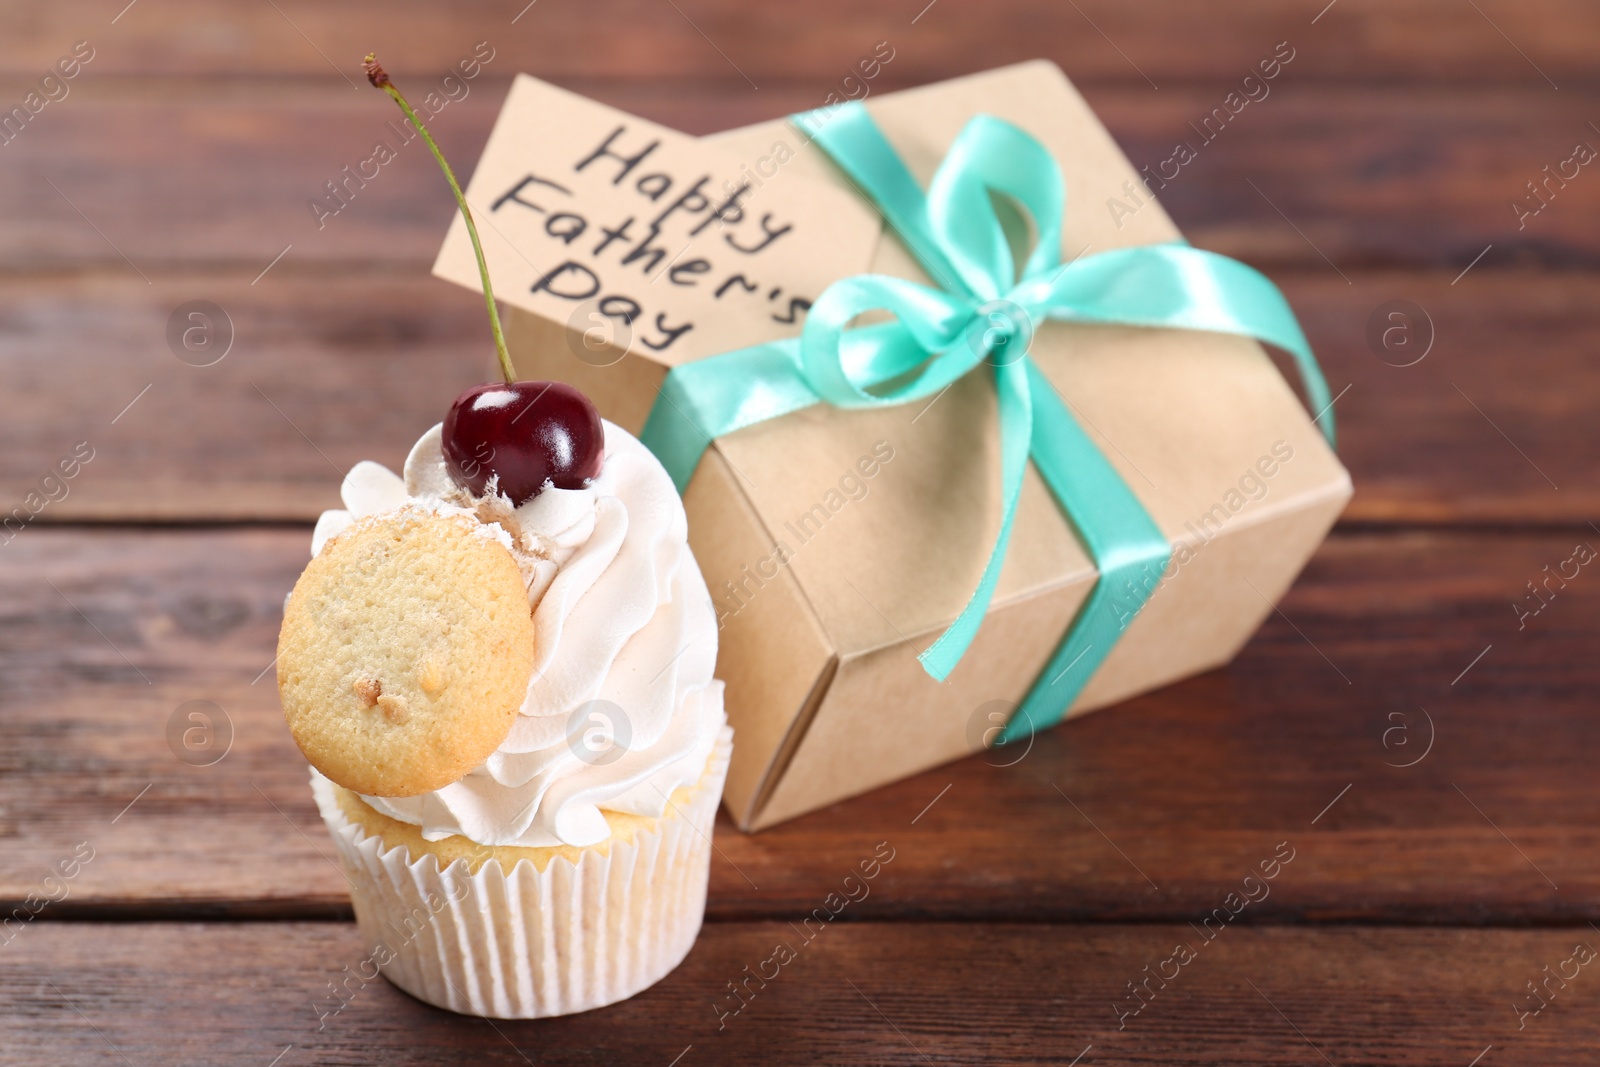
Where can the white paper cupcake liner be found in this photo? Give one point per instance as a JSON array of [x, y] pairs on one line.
[[530, 944]]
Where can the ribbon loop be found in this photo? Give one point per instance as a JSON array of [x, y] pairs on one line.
[[841, 365], [994, 157]]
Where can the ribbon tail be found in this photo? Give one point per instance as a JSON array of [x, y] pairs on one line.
[[1124, 542], [1017, 426], [1177, 286], [1248, 302]]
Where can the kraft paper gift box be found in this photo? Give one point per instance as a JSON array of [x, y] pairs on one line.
[[838, 544]]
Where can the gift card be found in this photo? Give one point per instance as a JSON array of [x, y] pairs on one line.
[[589, 215]]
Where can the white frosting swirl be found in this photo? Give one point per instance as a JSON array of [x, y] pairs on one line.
[[625, 644]]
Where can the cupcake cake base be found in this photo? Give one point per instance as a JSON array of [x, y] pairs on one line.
[[524, 933]]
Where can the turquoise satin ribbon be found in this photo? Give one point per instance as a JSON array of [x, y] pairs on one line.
[[983, 312]]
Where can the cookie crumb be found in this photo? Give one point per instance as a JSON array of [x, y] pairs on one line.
[[369, 690], [430, 675], [394, 708]]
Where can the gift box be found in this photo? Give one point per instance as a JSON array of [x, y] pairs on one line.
[[840, 543]]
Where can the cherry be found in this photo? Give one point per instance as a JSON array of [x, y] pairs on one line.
[[526, 434], [530, 434]]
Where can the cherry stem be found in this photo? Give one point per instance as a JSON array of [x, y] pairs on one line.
[[380, 79]]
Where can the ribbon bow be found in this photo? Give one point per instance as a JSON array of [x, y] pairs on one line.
[[984, 311]]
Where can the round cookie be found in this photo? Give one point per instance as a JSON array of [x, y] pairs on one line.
[[405, 652]]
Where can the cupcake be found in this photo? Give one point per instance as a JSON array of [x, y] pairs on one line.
[[516, 739], [500, 667]]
